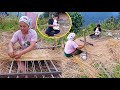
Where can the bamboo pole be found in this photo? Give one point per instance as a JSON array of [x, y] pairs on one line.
[[84, 35]]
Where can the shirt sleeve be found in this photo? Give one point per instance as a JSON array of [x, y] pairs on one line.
[[50, 21], [75, 45], [14, 38], [100, 29], [94, 29], [34, 36]]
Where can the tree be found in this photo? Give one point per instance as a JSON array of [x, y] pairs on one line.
[[77, 21], [118, 19]]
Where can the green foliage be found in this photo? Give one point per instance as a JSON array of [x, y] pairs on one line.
[[40, 36], [110, 24], [46, 14], [9, 23], [42, 21], [84, 76], [77, 21], [102, 75], [116, 71]]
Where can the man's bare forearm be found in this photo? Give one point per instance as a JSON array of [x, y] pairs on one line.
[[10, 46], [28, 49]]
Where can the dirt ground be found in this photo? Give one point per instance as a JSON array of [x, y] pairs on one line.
[[64, 28]]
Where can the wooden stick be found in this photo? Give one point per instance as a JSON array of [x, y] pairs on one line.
[[51, 47], [87, 42]]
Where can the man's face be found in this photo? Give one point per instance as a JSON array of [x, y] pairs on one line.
[[23, 27], [56, 18]]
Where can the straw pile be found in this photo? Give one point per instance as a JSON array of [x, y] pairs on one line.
[[105, 51], [114, 49], [40, 54], [4, 66]]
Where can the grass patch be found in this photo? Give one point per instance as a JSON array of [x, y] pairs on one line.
[[84, 76], [116, 71], [102, 75], [9, 23]]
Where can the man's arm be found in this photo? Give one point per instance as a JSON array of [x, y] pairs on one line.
[[80, 47], [31, 47], [77, 46], [10, 50], [28, 49], [50, 23], [94, 29]]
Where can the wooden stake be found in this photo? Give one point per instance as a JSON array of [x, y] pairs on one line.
[[84, 35]]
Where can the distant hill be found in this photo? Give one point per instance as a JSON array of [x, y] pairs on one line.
[[89, 17], [96, 17]]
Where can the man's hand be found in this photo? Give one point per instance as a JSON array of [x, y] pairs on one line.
[[11, 53], [18, 54]]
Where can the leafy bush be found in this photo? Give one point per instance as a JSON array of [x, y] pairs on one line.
[[77, 21]]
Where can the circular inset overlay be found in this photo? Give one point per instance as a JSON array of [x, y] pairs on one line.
[[50, 27]]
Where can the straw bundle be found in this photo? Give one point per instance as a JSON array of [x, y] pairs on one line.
[[114, 48], [41, 55], [86, 67], [106, 51], [34, 55]]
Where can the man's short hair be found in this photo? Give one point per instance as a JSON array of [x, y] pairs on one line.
[[55, 15], [98, 25]]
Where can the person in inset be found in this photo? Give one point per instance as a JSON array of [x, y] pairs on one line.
[[97, 32], [71, 47], [26, 37], [53, 27]]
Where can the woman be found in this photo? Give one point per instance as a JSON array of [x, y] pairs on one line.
[[72, 48], [27, 39], [53, 27]]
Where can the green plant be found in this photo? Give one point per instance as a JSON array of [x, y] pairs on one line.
[[102, 75], [85, 76], [77, 21], [9, 23], [116, 71]]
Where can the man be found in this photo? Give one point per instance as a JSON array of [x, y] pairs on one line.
[[53, 27], [27, 39], [97, 32], [71, 47]]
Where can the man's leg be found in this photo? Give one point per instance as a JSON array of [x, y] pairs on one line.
[[49, 32], [76, 52], [21, 66], [56, 31]]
